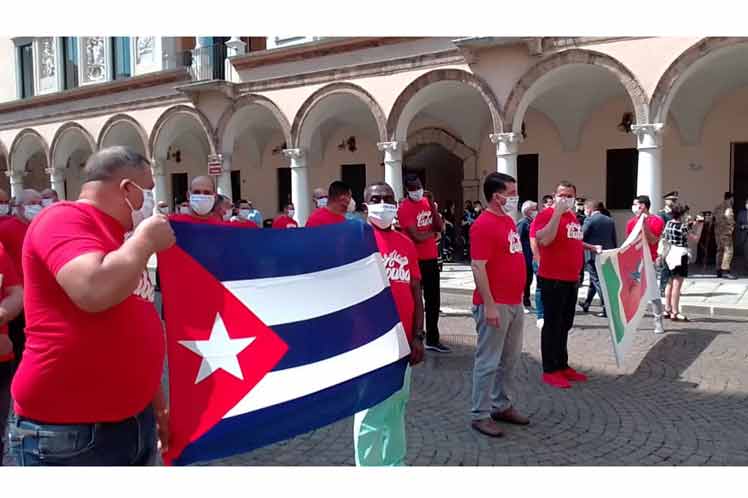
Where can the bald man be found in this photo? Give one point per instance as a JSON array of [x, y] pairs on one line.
[[319, 196], [202, 202], [88, 391]]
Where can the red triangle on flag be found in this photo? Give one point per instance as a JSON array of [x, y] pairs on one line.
[[197, 307]]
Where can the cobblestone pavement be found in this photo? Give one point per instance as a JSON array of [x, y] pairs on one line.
[[682, 399]]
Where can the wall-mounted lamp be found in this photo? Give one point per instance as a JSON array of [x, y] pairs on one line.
[[524, 131], [175, 154], [277, 150], [349, 143], [627, 120]]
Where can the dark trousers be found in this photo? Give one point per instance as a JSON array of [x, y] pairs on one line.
[[559, 301], [528, 282], [594, 284], [17, 334], [431, 297], [6, 375]]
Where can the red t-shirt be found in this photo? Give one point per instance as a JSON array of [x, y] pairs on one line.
[[244, 223], [418, 215], [12, 233], [562, 259], [81, 367], [401, 265], [494, 239], [323, 216], [9, 277], [655, 224], [284, 221], [194, 219]]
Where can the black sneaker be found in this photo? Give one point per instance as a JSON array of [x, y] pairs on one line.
[[438, 347]]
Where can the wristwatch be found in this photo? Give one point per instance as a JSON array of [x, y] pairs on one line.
[[419, 335]]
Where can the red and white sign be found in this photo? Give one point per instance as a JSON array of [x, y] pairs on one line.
[[215, 165]]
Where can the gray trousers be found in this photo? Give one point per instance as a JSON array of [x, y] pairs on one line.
[[497, 354]]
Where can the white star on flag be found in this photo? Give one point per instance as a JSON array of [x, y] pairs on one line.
[[219, 351]]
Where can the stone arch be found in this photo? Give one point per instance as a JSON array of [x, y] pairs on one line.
[[436, 76], [18, 154], [521, 95], [445, 139], [119, 119], [337, 88], [69, 128], [193, 113], [247, 101], [683, 66]]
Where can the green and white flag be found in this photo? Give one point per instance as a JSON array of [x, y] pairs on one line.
[[628, 281]]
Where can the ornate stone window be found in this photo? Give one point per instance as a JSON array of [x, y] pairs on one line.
[[48, 74], [95, 61], [146, 53]]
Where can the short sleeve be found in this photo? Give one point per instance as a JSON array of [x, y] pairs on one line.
[[11, 278], [481, 242], [657, 226], [630, 225], [540, 221], [65, 233], [406, 216]]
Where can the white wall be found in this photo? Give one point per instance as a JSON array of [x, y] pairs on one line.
[[8, 89]]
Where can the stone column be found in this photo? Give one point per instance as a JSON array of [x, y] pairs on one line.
[[300, 195], [235, 46], [393, 166], [507, 146], [201, 66], [223, 181], [649, 176], [57, 181], [16, 182], [159, 180]]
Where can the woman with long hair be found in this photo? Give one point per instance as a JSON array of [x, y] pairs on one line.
[[677, 234]]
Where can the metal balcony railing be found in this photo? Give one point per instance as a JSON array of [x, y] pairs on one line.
[[208, 63]]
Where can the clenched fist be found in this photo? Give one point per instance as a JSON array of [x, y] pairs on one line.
[[157, 232]]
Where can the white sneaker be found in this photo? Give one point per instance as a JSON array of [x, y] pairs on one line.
[[540, 323], [527, 311], [659, 329]]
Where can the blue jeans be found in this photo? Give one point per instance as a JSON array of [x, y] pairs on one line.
[[539, 310], [126, 443]]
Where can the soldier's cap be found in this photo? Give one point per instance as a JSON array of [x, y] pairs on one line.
[[672, 195]]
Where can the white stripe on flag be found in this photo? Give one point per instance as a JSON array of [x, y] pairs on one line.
[[279, 300], [292, 383]]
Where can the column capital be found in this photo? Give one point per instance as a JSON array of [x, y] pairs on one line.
[[237, 45], [391, 146], [648, 136], [506, 143], [297, 157], [15, 175]]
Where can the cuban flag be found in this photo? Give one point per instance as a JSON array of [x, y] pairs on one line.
[[273, 333]]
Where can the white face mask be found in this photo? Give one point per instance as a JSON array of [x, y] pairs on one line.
[[291, 212], [202, 204], [4, 209], [636, 209], [138, 215], [511, 204], [30, 211], [533, 214], [351, 206], [164, 210], [245, 213], [184, 210], [227, 216], [381, 215], [47, 202], [322, 202], [565, 202], [416, 195]]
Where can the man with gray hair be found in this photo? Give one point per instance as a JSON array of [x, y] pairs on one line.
[[49, 197], [88, 391], [319, 196], [529, 212]]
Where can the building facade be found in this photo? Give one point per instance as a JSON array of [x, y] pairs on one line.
[[277, 117]]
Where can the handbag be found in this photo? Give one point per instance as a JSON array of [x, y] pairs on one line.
[[674, 256]]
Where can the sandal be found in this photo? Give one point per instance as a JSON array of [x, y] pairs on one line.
[[668, 314], [678, 317]]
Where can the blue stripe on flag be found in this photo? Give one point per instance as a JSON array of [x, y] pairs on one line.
[[314, 340], [237, 253], [283, 421]]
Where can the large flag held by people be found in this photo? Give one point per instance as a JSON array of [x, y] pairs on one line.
[[273, 333], [628, 281]]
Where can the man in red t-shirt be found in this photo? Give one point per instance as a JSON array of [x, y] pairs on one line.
[[338, 199], [499, 271], [12, 234], [88, 389], [286, 219], [379, 432], [559, 237], [49, 197], [202, 202], [420, 221], [11, 302], [652, 227]]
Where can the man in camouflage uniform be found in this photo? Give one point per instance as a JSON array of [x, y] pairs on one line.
[[724, 227]]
